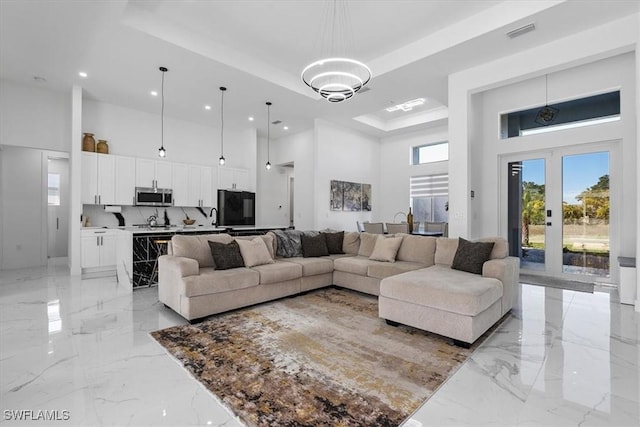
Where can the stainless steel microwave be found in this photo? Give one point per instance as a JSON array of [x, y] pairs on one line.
[[146, 196]]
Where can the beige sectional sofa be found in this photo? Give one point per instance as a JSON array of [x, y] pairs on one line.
[[189, 284]]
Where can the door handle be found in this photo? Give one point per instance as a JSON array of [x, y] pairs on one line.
[[57, 223]]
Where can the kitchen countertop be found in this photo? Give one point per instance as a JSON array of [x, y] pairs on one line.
[[170, 229]]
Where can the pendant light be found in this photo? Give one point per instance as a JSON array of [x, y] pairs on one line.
[[547, 114], [336, 77], [222, 160], [268, 165], [161, 151]]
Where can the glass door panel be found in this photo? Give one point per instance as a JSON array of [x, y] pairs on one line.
[[526, 217], [585, 211]]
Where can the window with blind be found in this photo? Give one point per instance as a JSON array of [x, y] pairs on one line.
[[429, 197]]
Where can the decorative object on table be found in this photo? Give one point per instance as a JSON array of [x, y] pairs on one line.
[[349, 196], [161, 151], [268, 164], [336, 77], [327, 381], [221, 160], [102, 147], [410, 220], [88, 143], [189, 221]]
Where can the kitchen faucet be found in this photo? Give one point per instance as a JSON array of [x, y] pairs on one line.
[[214, 221]]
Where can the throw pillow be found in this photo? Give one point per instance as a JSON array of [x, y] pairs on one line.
[[334, 242], [254, 252], [313, 246], [386, 248], [367, 243], [470, 256], [289, 244], [226, 256]]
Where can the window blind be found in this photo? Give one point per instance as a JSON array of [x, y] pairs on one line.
[[429, 185]]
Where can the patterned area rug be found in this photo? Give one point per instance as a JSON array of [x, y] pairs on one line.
[[322, 358]]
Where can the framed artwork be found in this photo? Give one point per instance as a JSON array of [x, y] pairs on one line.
[[349, 196]]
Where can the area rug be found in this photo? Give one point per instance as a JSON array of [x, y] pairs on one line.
[[319, 359]]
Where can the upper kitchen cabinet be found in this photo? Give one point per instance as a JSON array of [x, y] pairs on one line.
[[192, 185], [233, 179], [98, 179], [125, 180], [153, 173]]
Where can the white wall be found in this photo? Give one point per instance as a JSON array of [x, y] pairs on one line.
[[272, 189], [345, 155], [589, 46], [23, 218], [396, 169], [136, 133], [34, 117]]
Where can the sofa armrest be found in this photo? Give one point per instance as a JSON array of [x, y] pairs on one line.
[[171, 271], [507, 270], [178, 266]]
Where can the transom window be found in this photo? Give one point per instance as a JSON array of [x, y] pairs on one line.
[[588, 111], [430, 153]]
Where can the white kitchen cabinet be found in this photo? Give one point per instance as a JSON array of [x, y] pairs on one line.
[[200, 186], [233, 179], [180, 178], [153, 173], [125, 178], [98, 249], [98, 179]]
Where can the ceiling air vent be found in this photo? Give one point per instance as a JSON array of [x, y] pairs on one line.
[[276, 122], [522, 30]]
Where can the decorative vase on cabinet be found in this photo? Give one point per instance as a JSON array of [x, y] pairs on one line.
[[88, 143], [102, 147]]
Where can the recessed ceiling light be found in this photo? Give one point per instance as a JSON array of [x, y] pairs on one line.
[[250, 119], [406, 106], [83, 74], [154, 93], [286, 128], [207, 107]]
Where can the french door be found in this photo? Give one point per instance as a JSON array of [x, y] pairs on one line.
[[557, 209]]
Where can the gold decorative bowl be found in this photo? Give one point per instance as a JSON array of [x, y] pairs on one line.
[[189, 221]]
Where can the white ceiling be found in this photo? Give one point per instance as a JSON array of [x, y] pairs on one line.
[[257, 49]]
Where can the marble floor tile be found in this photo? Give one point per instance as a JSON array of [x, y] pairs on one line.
[[83, 346]]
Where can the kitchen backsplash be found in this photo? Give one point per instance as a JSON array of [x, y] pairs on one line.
[[134, 215]]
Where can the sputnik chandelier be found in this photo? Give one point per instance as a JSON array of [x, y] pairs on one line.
[[336, 77]]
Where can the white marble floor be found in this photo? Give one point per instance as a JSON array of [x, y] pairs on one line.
[[80, 349]]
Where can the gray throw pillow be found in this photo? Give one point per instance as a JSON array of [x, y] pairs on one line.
[[470, 256], [334, 242], [314, 246], [289, 244], [226, 256]]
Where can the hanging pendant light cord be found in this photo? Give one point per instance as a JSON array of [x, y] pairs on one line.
[[222, 124], [162, 111], [268, 131]]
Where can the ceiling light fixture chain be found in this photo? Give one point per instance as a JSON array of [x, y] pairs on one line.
[[337, 77], [268, 165], [162, 152], [221, 160]]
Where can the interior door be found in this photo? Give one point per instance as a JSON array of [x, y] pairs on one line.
[[58, 207]]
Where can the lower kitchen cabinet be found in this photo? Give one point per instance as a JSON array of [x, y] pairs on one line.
[[98, 251]]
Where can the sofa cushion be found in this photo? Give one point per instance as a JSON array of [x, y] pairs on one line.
[[314, 266], [367, 243], [380, 270], [445, 289], [353, 264], [334, 242], [445, 250], [351, 242], [500, 248], [197, 247], [314, 245], [226, 255], [211, 281], [420, 249], [386, 248], [471, 256], [254, 252], [289, 243], [279, 271]]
